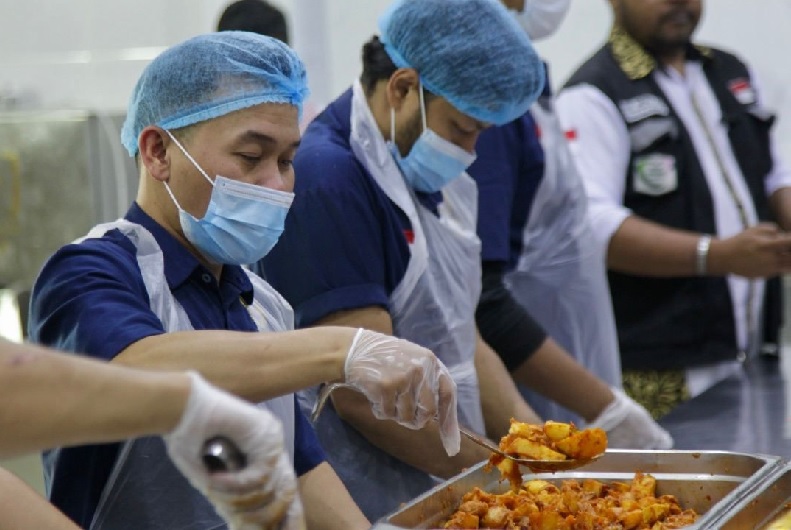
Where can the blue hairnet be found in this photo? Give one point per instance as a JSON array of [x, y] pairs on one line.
[[209, 76], [470, 52]]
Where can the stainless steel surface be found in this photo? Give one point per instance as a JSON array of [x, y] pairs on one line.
[[61, 172], [759, 507], [708, 481], [222, 455], [745, 413], [324, 395]]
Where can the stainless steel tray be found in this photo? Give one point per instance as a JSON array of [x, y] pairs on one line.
[[758, 507], [710, 482]]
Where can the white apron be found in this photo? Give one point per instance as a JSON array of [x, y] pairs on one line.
[[145, 490], [434, 306], [560, 276]]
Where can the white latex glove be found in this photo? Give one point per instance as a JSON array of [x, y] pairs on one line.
[[404, 382], [630, 426], [261, 495]]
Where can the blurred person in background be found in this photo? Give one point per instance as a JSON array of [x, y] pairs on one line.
[[264, 18], [688, 195], [213, 124], [539, 259], [52, 399]]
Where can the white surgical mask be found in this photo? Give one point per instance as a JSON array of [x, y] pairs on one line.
[[541, 18], [433, 161], [242, 223]]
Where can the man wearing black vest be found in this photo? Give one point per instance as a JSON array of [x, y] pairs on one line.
[[686, 191]]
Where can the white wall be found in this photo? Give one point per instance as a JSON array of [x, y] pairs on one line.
[[88, 53]]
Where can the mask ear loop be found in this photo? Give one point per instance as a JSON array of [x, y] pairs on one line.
[[422, 104], [392, 124], [189, 157], [167, 186]]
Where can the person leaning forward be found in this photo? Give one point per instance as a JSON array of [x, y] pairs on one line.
[[213, 123], [382, 233]]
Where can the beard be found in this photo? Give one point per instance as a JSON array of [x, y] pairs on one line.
[[409, 133], [671, 33]]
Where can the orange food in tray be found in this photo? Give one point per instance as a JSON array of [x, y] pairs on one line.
[[551, 441], [573, 505]]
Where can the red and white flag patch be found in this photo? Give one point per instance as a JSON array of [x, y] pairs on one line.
[[742, 90]]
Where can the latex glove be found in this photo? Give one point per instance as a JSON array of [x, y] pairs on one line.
[[261, 495], [404, 382], [630, 426]]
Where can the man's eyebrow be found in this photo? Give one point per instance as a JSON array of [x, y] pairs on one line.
[[263, 138]]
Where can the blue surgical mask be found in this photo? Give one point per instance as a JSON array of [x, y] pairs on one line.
[[242, 223], [433, 161]]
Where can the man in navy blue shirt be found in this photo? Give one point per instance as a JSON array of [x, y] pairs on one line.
[[375, 238], [213, 123], [382, 231]]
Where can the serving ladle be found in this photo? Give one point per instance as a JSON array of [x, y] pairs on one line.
[[536, 466]]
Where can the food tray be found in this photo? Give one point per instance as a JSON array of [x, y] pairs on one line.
[[710, 482], [759, 507]]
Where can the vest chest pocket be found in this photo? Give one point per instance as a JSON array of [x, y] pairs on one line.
[[653, 173]]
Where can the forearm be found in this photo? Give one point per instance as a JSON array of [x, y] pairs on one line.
[[327, 503], [76, 400], [255, 366], [553, 373], [500, 398], [645, 248], [21, 507], [421, 449], [780, 201]]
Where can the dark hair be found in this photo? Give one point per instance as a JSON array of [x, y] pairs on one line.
[[377, 65], [256, 16]]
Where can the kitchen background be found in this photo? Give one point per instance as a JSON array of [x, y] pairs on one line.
[[67, 68]]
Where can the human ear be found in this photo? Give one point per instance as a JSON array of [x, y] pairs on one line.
[[152, 145], [400, 84]]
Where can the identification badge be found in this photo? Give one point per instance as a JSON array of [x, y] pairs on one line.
[[655, 174]]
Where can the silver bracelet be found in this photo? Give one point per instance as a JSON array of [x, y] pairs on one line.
[[702, 255]]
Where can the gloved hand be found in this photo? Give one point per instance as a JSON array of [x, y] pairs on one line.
[[404, 382], [630, 426], [261, 495]]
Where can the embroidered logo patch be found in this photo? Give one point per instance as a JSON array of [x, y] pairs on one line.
[[655, 174], [643, 106]]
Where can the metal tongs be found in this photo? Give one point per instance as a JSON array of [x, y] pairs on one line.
[[534, 465]]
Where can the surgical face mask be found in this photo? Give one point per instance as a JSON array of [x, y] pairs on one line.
[[242, 223], [433, 161], [541, 18]]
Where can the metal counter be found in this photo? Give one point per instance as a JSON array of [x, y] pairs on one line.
[[750, 413]]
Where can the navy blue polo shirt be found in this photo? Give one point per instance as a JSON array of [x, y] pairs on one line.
[[90, 298], [345, 244], [508, 170]]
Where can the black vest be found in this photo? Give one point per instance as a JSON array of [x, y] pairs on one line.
[[671, 323]]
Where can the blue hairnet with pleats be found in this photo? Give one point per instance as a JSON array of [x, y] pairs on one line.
[[209, 76], [470, 52]]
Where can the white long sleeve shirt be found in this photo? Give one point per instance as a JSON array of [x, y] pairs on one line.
[[600, 144]]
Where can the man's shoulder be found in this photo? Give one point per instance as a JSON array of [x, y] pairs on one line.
[[109, 253], [328, 164], [595, 70], [723, 57]]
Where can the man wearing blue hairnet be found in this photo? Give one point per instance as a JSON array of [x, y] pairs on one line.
[[382, 232], [538, 255], [213, 123]]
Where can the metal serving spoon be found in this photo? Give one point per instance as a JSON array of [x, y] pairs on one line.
[[533, 465]]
